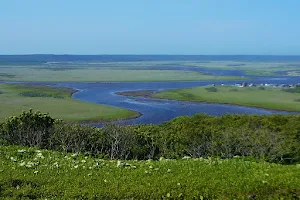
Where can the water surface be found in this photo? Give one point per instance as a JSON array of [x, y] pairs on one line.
[[157, 111]]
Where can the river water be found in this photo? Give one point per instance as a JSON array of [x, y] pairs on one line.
[[158, 111]]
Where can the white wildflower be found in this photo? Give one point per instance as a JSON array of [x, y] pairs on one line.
[[186, 157], [56, 164], [40, 155], [13, 159], [119, 163], [29, 164], [161, 159]]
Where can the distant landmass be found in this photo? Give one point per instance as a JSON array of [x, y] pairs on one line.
[[45, 58]]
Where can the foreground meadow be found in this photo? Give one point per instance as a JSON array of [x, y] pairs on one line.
[[38, 174], [198, 157], [57, 102]]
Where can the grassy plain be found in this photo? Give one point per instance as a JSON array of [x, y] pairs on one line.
[[270, 98], [100, 74], [57, 102], [251, 68], [33, 173], [139, 71]]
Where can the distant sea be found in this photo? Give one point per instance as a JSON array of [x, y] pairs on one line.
[[46, 58]]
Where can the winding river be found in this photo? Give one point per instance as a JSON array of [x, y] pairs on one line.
[[158, 111]]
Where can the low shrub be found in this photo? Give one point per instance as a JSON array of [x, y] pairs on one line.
[[233, 90], [211, 89], [39, 94], [34, 94], [274, 138], [293, 90], [28, 129]]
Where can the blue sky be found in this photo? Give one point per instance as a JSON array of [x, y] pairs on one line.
[[269, 27]]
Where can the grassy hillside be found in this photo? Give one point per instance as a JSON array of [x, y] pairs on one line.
[[32, 173], [216, 158]]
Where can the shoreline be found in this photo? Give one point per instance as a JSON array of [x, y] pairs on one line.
[[90, 122], [232, 78], [96, 121], [70, 92], [125, 93]]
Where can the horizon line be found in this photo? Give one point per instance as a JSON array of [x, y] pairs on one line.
[[50, 54]]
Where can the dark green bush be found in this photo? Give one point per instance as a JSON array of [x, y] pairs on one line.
[[261, 88], [35, 94], [40, 94], [28, 129], [292, 90], [211, 89], [275, 138], [233, 90]]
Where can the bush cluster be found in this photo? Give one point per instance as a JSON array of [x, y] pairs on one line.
[[211, 89], [275, 138], [28, 129], [38, 94], [293, 90]]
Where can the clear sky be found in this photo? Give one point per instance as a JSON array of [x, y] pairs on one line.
[[269, 27]]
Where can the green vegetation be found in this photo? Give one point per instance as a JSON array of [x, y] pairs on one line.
[[137, 93], [273, 138], [5, 75], [38, 94], [138, 71], [217, 158], [294, 73], [211, 89], [57, 102], [264, 97], [100, 74], [293, 90], [251, 68], [30, 173]]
